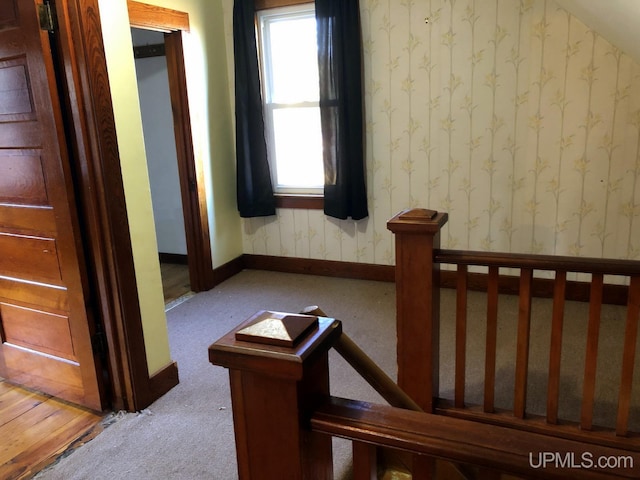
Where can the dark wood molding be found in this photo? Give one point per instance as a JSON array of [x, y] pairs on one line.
[[307, 202], [508, 285], [328, 268], [148, 51], [142, 15], [190, 171], [161, 382], [101, 199], [228, 270], [176, 258]]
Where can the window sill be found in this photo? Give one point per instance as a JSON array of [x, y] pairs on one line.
[[307, 202]]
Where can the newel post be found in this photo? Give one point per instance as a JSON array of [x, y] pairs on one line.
[[417, 235], [278, 371]]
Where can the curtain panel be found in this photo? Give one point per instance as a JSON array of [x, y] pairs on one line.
[[341, 109], [253, 177]]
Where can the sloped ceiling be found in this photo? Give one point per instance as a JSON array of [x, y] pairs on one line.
[[618, 21]]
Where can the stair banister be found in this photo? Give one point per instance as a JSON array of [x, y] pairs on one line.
[[417, 236], [274, 390]]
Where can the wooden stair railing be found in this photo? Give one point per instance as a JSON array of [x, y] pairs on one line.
[[284, 418], [273, 382], [367, 368], [283, 413], [418, 260]]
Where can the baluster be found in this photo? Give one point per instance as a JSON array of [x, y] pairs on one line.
[[522, 352], [628, 356], [491, 339], [365, 461], [461, 334], [555, 350], [591, 359]]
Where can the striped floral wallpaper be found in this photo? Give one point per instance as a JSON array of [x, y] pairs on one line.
[[511, 115]]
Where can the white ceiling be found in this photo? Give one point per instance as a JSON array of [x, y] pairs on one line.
[[618, 21]]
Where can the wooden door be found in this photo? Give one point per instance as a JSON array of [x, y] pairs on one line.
[[45, 323]]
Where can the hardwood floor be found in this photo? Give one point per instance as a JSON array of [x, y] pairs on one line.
[[175, 281], [36, 428]]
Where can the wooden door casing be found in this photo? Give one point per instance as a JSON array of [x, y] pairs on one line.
[[45, 320]]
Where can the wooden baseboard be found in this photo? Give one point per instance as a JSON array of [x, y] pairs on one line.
[[228, 270], [543, 288], [160, 383], [176, 258], [327, 268]]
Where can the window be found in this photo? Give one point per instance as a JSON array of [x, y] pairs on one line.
[[289, 71]]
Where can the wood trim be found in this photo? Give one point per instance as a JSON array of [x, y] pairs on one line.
[[508, 285], [308, 202], [142, 15], [161, 382], [228, 270], [266, 4], [176, 258], [100, 194], [327, 268], [148, 51], [541, 287], [191, 174]]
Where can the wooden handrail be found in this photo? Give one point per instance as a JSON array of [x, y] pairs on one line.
[[367, 368], [461, 441], [603, 266]]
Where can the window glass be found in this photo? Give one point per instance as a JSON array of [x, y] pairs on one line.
[[289, 69]]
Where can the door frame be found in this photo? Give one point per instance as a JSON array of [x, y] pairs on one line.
[[102, 209], [190, 172]]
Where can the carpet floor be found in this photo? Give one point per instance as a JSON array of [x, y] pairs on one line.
[[188, 433]]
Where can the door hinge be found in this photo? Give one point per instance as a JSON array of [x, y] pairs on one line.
[[47, 18]]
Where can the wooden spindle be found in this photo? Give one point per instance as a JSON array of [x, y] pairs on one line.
[[555, 350], [491, 340], [628, 356], [365, 461], [591, 357], [522, 351], [461, 335]]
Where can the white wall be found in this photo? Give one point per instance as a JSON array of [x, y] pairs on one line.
[[159, 140]]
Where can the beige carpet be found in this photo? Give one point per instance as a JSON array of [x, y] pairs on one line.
[[188, 433]]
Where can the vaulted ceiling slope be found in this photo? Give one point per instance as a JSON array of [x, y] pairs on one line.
[[618, 21]]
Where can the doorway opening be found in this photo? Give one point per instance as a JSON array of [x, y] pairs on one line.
[[172, 26], [162, 163]]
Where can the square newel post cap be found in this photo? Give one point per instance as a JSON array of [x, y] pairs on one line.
[[418, 220], [276, 344]]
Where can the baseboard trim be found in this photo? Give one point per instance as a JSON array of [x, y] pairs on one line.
[[326, 268], [161, 382], [508, 284], [176, 258], [228, 270]]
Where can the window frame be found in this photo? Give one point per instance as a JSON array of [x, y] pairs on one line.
[[307, 198]]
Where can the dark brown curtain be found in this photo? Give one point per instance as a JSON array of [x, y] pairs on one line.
[[254, 189], [340, 69]]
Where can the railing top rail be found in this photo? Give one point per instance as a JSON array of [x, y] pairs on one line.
[[603, 266]]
